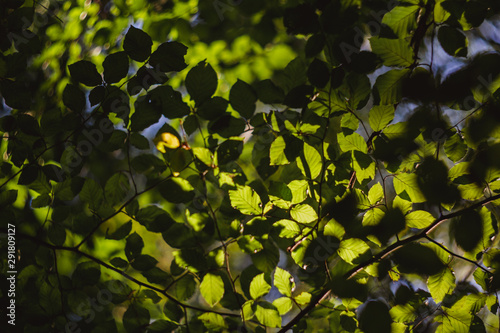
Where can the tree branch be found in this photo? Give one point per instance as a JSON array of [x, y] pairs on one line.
[[119, 271], [381, 255], [457, 255]]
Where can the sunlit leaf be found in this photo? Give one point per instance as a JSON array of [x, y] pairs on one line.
[[394, 52], [212, 288], [259, 286], [441, 284], [246, 200], [284, 282]]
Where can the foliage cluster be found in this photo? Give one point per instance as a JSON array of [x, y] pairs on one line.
[[251, 165]]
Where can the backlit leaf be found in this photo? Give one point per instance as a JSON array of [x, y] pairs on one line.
[[246, 200], [212, 288], [284, 282], [394, 52], [259, 286]]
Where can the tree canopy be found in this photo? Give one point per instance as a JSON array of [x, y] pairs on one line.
[[250, 165]]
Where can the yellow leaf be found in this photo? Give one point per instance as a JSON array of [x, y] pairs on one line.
[[167, 140]]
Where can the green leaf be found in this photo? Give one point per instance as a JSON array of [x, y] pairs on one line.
[[117, 188], [387, 88], [266, 259], [146, 113], [363, 165], [115, 67], [350, 142], [277, 152], [243, 98], [185, 288], [161, 325], [352, 250], [150, 294], [299, 190], [246, 200], [117, 102], [314, 45], [284, 282], [267, 315], [191, 258], [259, 286], [74, 98], [303, 298], [135, 318], [173, 311], [283, 304], [419, 259], [139, 141], [441, 284], [92, 194], [147, 162], [394, 52], [355, 91], [310, 162], [376, 193], [204, 155], [318, 73], [201, 82], [287, 228], [56, 234], [212, 288], [419, 219], [213, 108], [454, 321], [269, 93], [169, 57], [249, 244], [137, 44], [8, 197], [122, 232], [156, 275], [227, 126], [402, 19], [213, 321], [455, 147], [85, 72], [280, 195], [373, 217], [172, 105], [303, 213], [453, 41], [41, 201], [468, 230], [403, 313], [133, 246], [380, 116], [143, 262], [97, 95], [87, 273], [408, 182], [176, 190], [375, 318], [118, 262]]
